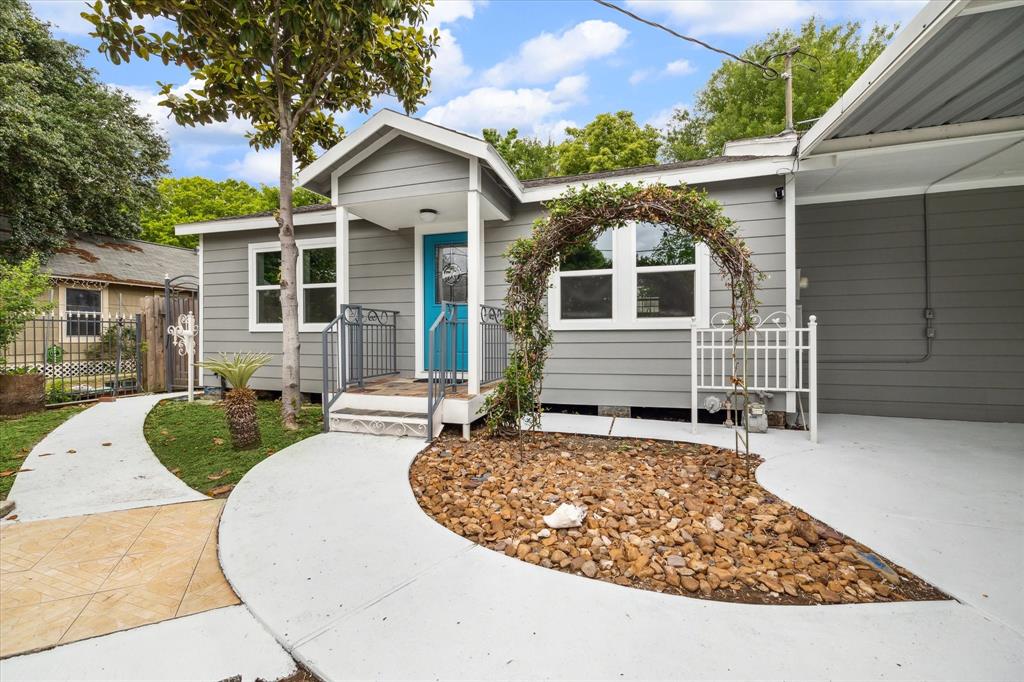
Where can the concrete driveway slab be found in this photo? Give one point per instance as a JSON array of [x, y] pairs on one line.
[[359, 583]]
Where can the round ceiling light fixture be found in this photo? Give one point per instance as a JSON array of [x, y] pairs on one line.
[[428, 215]]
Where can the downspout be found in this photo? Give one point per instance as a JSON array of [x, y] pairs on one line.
[[929, 311]]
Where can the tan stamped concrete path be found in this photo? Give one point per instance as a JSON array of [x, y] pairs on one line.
[[68, 579]]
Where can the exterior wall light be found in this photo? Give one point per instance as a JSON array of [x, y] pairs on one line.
[[428, 215]]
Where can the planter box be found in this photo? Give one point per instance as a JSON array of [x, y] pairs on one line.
[[20, 393]]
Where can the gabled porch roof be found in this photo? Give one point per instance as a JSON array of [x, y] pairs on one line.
[[380, 129]]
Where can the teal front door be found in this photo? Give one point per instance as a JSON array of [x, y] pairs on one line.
[[446, 279]]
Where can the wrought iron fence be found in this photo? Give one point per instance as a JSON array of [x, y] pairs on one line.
[[82, 355], [359, 344], [493, 344], [181, 295]]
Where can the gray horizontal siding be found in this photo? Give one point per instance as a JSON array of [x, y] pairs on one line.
[[226, 308], [403, 167], [382, 276], [648, 368], [865, 266]]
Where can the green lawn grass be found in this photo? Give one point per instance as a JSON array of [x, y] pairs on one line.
[[18, 435], [192, 440]]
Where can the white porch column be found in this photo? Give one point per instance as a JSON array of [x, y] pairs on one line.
[[341, 254], [475, 297], [791, 285]]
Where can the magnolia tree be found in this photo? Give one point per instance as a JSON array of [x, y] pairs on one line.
[[286, 66]]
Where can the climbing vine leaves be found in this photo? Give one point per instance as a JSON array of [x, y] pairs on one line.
[[575, 220]]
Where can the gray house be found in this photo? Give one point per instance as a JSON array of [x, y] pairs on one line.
[[891, 235]]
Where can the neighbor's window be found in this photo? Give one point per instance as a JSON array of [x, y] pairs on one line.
[[586, 280], [83, 310], [639, 276]]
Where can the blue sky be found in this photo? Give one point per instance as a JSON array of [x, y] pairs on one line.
[[536, 66]]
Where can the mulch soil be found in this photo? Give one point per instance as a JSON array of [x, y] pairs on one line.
[[670, 517]]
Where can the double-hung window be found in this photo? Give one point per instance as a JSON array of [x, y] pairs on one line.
[[317, 292], [83, 307], [639, 276]]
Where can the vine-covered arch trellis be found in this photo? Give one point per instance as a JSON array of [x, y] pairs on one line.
[[575, 220]]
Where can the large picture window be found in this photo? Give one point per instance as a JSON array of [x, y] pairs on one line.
[[317, 273], [640, 276]]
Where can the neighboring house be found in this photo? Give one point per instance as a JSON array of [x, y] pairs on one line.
[[896, 220], [96, 276]]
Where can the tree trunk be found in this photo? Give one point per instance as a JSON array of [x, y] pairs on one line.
[[291, 395]]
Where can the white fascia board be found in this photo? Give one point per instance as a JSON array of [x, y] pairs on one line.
[[912, 190], [699, 175], [932, 136], [256, 223], [424, 131], [918, 31]]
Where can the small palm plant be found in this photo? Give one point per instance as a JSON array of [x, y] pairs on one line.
[[240, 402]]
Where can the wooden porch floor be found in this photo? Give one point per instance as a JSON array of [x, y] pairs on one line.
[[406, 387]]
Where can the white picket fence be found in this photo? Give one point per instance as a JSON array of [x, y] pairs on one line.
[[777, 353]]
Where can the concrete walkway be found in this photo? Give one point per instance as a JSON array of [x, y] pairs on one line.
[[215, 645], [97, 478], [358, 582]]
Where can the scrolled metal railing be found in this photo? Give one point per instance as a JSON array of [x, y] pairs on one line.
[[359, 344], [494, 344]]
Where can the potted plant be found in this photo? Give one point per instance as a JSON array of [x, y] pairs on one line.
[[22, 386], [240, 401]]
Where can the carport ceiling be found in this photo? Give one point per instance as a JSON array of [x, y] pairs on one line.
[[972, 70]]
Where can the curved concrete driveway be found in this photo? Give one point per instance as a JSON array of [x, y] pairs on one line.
[[356, 582], [97, 478]]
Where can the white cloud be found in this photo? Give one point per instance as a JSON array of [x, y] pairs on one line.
[[447, 11], [532, 110], [66, 17], [659, 119], [639, 76], [450, 71], [755, 17], [547, 56], [553, 132], [263, 166], [680, 67]]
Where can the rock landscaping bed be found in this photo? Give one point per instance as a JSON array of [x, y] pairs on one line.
[[668, 517]]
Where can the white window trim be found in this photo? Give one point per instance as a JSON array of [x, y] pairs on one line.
[[624, 278], [265, 247]]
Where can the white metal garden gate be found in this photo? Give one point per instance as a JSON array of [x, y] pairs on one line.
[[780, 358]]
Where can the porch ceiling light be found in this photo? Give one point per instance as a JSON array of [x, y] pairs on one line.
[[428, 215]]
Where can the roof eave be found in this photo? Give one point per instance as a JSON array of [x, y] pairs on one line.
[[919, 30]]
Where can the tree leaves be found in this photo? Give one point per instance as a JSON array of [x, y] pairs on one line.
[[77, 157]]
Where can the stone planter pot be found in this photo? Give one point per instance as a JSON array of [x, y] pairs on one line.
[[21, 393]]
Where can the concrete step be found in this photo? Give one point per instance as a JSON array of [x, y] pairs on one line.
[[380, 422]]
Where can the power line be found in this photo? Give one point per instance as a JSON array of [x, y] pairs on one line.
[[766, 70]]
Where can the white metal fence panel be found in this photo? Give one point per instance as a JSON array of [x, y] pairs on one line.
[[779, 358]]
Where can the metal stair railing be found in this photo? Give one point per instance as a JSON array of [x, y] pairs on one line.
[[359, 344]]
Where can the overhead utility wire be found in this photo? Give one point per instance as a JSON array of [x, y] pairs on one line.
[[766, 70]]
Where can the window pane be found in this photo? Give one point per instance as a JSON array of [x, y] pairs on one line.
[[82, 300], [587, 298], [268, 306], [664, 294], [268, 267], [663, 245], [318, 266], [318, 304], [451, 276], [596, 256]]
